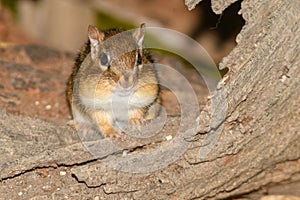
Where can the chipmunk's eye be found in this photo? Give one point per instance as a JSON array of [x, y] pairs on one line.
[[104, 59], [139, 59]]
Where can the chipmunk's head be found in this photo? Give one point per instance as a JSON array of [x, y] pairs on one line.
[[118, 54]]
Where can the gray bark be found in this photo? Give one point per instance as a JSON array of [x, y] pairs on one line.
[[259, 143]]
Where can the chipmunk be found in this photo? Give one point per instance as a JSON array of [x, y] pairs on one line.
[[113, 80]]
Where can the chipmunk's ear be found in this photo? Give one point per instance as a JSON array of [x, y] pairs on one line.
[[95, 37], [139, 35]]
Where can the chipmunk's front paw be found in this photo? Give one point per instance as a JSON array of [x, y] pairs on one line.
[[71, 123], [110, 132], [137, 123]]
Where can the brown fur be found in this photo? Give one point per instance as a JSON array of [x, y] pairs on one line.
[[92, 82]]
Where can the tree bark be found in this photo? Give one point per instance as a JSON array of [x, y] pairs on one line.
[[259, 142]]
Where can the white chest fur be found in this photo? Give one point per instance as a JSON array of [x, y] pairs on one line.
[[117, 101]]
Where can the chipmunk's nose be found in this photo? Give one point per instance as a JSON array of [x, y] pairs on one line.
[[126, 81]]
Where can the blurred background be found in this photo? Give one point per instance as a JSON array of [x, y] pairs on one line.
[[62, 24]]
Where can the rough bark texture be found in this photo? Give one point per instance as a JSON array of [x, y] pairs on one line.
[[217, 6], [258, 146]]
